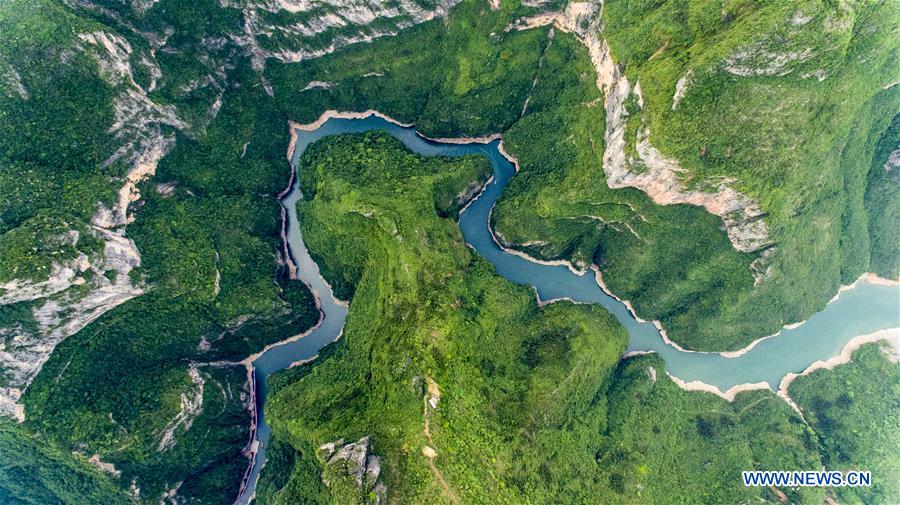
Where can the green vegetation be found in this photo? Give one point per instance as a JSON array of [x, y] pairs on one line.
[[462, 76], [661, 439], [674, 262], [855, 410], [34, 472], [788, 99], [153, 386], [532, 398], [52, 144], [221, 221], [533, 407], [883, 205], [428, 314]]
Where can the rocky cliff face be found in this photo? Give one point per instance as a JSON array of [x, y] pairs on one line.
[[76, 293], [293, 30], [150, 105], [350, 469], [79, 290], [646, 168]]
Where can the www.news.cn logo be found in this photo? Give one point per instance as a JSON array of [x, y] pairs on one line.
[[852, 478]]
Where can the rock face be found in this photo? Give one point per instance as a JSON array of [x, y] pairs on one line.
[[681, 87], [191, 406], [351, 466], [79, 290], [76, 293], [318, 27], [12, 81], [658, 175], [651, 171]]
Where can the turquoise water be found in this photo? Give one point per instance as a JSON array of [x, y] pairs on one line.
[[861, 310]]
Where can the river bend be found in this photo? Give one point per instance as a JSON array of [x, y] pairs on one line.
[[864, 309]]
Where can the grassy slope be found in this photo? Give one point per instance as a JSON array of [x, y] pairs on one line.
[[855, 410]]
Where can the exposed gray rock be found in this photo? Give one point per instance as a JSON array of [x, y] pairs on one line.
[[319, 18], [142, 6], [658, 175], [757, 60], [12, 81], [681, 87], [893, 161], [61, 306], [353, 461], [191, 407], [318, 85], [652, 172]]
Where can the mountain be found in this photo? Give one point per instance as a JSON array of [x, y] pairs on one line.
[[726, 166]]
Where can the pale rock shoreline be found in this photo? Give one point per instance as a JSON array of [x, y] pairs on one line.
[[728, 395], [890, 337], [869, 277], [688, 386]]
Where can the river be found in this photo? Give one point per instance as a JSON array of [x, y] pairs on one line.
[[864, 309]]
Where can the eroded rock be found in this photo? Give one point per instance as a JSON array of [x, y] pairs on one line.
[[351, 464]]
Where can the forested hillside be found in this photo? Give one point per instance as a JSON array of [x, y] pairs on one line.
[[451, 385], [801, 215], [726, 166]]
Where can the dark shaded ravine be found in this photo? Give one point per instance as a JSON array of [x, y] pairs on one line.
[[862, 310]]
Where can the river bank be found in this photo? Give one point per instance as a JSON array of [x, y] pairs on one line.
[[713, 372], [890, 336], [866, 277]]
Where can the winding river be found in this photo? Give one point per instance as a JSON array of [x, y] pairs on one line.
[[866, 308]]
